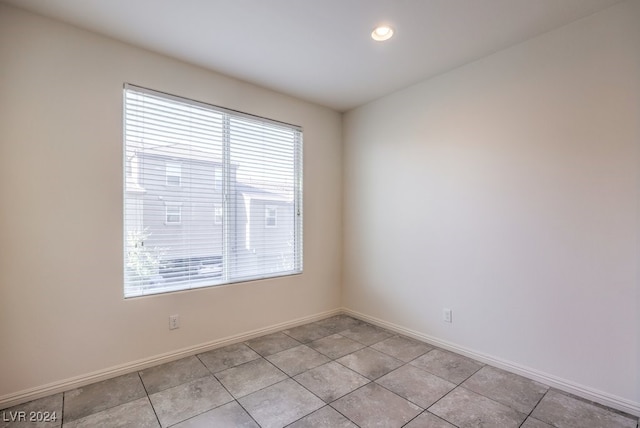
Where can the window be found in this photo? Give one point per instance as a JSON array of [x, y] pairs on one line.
[[173, 174], [217, 214], [217, 179], [173, 214], [243, 171], [270, 216]]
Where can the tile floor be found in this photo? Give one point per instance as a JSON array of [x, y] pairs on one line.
[[338, 372]]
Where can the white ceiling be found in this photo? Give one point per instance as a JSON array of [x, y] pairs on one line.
[[321, 50]]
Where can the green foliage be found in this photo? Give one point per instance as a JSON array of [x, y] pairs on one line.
[[142, 262]]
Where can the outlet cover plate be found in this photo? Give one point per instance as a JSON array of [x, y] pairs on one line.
[[174, 322]]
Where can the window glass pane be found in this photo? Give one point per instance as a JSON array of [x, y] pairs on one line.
[[270, 216], [217, 214], [266, 176], [174, 174], [173, 214]]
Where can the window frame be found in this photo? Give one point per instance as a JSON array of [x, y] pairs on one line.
[[268, 216], [217, 179], [221, 183], [173, 167], [168, 206], [218, 214]]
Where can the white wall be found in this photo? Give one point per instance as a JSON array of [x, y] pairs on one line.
[[61, 308], [507, 190]]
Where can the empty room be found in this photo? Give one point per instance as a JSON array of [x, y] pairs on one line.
[[320, 213]]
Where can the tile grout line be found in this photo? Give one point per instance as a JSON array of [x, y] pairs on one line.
[[408, 363], [225, 388], [365, 346], [459, 385], [330, 360], [246, 411], [440, 399], [325, 404], [64, 395], [358, 388], [370, 381], [395, 393], [434, 415], [536, 405], [191, 381], [304, 387], [149, 399], [342, 414]]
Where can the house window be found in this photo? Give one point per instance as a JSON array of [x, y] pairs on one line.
[[236, 163], [173, 174], [217, 179], [173, 214], [270, 216], [217, 214]]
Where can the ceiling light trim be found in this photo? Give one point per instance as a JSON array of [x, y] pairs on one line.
[[382, 32]]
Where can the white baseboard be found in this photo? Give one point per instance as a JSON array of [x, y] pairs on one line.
[[600, 397], [30, 394], [615, 402]]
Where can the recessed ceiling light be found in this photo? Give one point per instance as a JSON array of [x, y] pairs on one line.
[[382, 33]]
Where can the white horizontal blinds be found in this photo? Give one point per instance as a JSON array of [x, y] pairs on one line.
[[263, 161], [211, 196]]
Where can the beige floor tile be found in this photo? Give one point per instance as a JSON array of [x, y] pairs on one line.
[[94, 398], [563, 411], [172, 374], [366, 334], [339, 323], [296, 360], [515, 391], [326, 417], [308, 332], [452, 367], [138, 413], [402, 348], [370, 363], [375, 406], [230, 356], [185, 401], [280, 404], [465, 408], [336, 346], [272, 343], [331, 381], [416, 385], [428, 420], [228, 415], [534, 423], [250, 377]]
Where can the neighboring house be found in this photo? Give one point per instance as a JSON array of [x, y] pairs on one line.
[[169, 222], [267, 237]]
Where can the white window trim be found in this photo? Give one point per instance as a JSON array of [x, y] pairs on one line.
[[173, 169], [169, 205], [217, 178], [218, 218], [267, 216]]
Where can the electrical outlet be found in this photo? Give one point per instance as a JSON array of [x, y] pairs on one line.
[[174, 322], [446, 315]]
